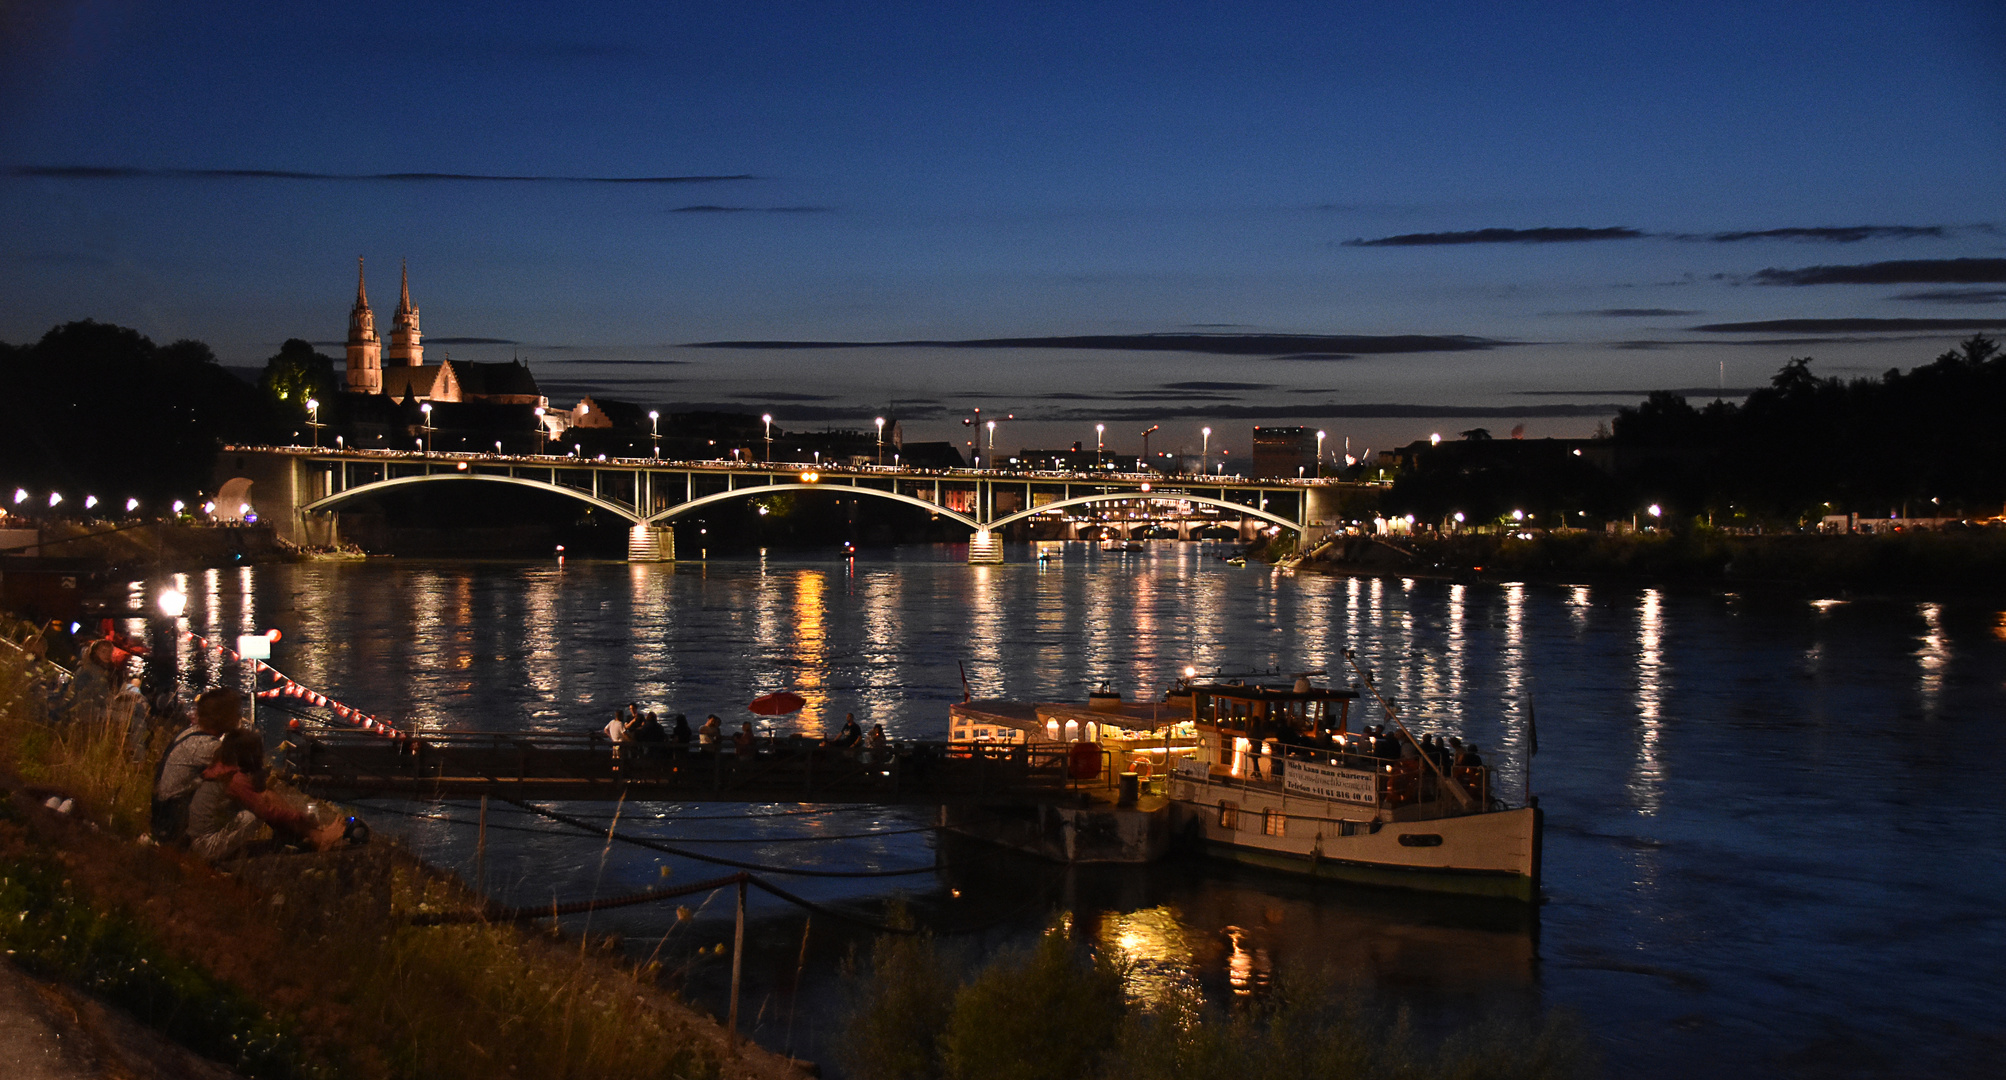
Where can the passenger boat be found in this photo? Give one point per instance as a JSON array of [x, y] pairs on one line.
[[1280, 781]]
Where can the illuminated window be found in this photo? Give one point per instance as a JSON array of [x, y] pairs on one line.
[[1274, 823], [1229, 815]]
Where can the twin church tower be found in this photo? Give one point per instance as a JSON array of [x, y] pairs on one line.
[[365, 349]]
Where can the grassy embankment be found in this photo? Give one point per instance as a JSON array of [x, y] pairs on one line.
[[1049, 1013], [1965, 561], [303, 966]]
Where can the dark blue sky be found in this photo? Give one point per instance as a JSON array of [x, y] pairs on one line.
[[1562, 193]]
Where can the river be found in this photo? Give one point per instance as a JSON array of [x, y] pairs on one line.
[[1774, 821]]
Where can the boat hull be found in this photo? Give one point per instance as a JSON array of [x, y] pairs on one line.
[[1495, 854]]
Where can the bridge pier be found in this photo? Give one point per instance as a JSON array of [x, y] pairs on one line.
[[985, 547], [647, 543]]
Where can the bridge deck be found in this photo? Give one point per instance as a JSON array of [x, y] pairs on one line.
[[531, 766]]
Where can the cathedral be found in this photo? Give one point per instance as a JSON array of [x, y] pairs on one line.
[[404, 375]]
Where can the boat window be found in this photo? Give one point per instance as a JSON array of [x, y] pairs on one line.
[[1275, 823], [1229, 814]]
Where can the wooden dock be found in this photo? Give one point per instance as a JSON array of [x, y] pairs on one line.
[[523, 765]]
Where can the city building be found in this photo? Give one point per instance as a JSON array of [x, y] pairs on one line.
[[402, 375], [1284, 451]]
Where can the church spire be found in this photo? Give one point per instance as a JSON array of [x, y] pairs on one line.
[[405, 347], [365, 349], [404, 303], [361, 286]]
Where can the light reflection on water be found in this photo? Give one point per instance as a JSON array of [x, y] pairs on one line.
[[1742, 850]]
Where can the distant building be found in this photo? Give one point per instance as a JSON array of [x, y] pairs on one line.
[[408, 378], [1284, 451]]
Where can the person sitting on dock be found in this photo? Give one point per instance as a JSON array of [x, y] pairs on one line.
[[741, 742], [647, 735], [681, 735], [217, 712], [231, 803], [710, 734], [850, 735]]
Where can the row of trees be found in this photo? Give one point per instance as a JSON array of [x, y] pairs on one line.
[[1926, 443], [101, 409]]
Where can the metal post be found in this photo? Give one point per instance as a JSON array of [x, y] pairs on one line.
[[737, 962], [481, 852]]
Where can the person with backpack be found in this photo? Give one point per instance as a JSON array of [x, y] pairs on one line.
[[218, 711]]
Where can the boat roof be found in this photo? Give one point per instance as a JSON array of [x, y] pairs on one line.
[[1255, 692], [1032, 715]]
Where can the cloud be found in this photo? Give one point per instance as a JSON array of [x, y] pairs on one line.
[[1273, 345], [1848, 234], [1548, 235], [1897, 272], [469, 341], [711, 209], [127, 172], [1683, 391], [785, 395], [1217, 386], [1813, 326], [1637, 312], [1332, 411], [1955, 296], [588, 360]]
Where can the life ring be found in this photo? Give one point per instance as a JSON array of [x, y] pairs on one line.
[[1140, 767]]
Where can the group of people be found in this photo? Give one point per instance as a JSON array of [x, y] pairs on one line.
[[641, 733], [209, 792]]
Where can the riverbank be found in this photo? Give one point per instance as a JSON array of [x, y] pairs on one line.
[[1963, 563], [305, 965]]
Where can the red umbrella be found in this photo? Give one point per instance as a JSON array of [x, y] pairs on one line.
[[779, 703]]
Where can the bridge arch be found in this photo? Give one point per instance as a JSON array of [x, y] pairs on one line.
[[833, 489], [335, 500], [1147, 496]]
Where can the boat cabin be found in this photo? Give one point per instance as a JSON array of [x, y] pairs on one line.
[[1298, 740]]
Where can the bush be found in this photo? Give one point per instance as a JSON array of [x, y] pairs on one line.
[[899, 1011], [1042, 1015]]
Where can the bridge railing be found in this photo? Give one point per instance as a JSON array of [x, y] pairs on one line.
[[828, 469]]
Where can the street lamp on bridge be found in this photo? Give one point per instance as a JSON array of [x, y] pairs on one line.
[[989, 455], [313, 420], [539, 429], [1319, 452], [1099, 430], [655, 429], [767, 419], [1205, 454], [426, 408], [881, 440]]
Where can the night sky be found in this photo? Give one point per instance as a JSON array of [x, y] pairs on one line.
[[1363, 220]]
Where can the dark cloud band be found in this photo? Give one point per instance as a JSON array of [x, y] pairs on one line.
[[1280, 346], [1549, 235], [1896, 272], [1821, 326], [1848, 234], [123, 172]]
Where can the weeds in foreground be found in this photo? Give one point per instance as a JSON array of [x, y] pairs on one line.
[[367, 992], [1053, 1012]]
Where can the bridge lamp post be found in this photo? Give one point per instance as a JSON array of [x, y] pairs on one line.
[[1319, 452], [1099, 430], [426, 408], [655, 429], [1205, 454], [539, 430], [881, 440], [989, 455], [767, 419], [313, 420]]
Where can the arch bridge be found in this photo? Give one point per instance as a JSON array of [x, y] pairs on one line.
[[300, 490]]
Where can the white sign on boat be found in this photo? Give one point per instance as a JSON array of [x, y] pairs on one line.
[[1331, 782]]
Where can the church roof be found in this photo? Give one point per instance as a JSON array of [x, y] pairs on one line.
[[419, 382], [495, 379]]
